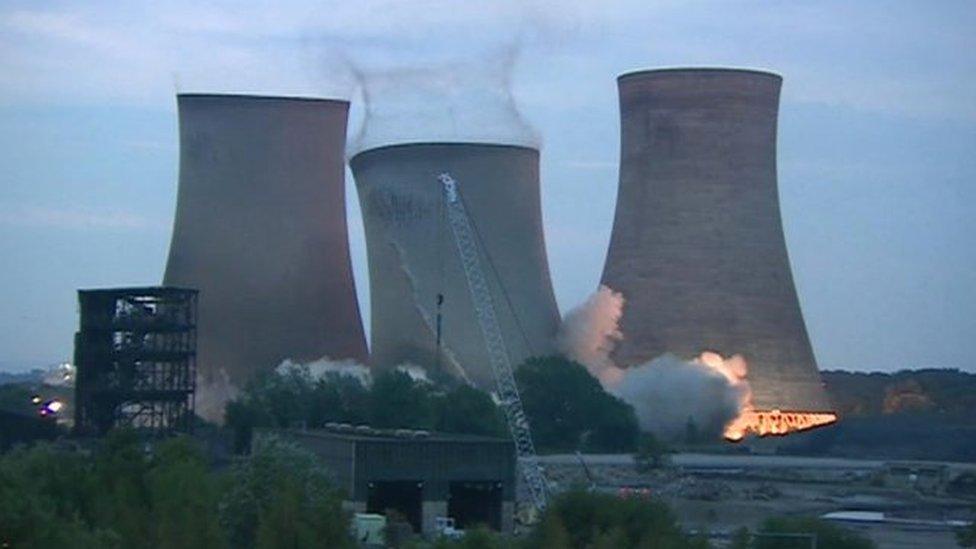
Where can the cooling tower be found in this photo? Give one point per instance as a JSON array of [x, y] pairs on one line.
[[260, 230], [413, 257], [697, 247]]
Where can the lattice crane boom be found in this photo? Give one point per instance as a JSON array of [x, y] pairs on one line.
[[501, 365]]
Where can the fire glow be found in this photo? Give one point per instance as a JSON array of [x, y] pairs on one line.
[[759, 422], [775, 423]]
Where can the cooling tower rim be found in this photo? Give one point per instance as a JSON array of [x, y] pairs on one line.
[[444, 144], [691, 70], [261, 97]]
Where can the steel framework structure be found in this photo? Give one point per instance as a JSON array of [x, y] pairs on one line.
[[135, 353]]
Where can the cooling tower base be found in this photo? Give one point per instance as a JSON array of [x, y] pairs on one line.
[[763, 423]]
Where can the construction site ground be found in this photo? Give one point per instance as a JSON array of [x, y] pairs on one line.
[[717, 494]]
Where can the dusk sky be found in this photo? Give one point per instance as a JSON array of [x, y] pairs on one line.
[[877, 138]]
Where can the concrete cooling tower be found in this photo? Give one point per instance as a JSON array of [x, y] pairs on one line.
[[697, 248], [412, 255], [260, 231]]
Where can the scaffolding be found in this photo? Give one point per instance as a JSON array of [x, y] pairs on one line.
[[135, 353]]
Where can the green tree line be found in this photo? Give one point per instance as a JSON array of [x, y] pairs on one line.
[[567, 408], [129, 493], [125, 492]]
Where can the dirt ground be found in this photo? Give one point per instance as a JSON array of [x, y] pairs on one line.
[[716, 496]]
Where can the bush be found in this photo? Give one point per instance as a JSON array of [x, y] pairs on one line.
[[585, 519]]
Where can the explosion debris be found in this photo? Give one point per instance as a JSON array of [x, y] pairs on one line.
[[668, 394]]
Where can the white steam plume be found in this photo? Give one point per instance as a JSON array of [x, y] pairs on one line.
[[466, 100], [325, 366], [417, 373], [318, 369], [667, 392]]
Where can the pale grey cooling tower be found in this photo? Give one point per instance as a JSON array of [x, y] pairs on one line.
[[697, 247], [261, 231], [412, 255]]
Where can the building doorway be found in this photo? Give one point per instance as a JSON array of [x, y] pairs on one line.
[[401, 496], [474, 503]]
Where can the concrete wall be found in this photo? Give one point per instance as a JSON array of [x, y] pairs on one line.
[[260, 230], [412, 255], [697, 247]]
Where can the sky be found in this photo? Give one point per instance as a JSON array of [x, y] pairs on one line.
[[877, 139]]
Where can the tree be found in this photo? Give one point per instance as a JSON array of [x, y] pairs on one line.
[[120, 496], [828, 535], [183, 498], [43, 495], [338, 398], [467, 410], [967, 536], [279, 496], [16, 397], [651, 453], [396, 401], [393, 400], [569, 410]]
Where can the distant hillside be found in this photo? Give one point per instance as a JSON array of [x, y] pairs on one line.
[[929, 392], [911, 414], [33, 376]]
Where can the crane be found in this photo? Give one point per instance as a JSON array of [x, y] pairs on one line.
[[501, 366]]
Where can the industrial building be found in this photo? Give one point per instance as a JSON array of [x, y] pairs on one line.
[[413, 258], [697, 247], [135, 353], [260, 231], [420, 475]]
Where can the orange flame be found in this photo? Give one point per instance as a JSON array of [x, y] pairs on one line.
[[775, 423], [759, 422]]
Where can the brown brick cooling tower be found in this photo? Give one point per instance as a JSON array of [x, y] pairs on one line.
[[261, 231], [697, 247]]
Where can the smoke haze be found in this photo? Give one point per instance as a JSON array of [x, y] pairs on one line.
[[667, 393]]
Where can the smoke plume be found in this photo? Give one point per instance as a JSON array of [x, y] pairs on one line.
[[590, 332], [667, 393], [213, 392], [468, 100]]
